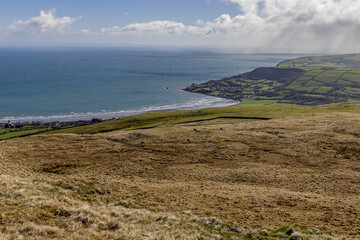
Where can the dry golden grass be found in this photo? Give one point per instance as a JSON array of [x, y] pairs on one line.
[[39, 210], [251, 174]]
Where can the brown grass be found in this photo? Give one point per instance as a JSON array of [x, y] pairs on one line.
[[38, 210], [251, 174]]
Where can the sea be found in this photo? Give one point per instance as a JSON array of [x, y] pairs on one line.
[[68, 83]]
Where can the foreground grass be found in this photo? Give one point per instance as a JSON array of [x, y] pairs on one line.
[[246, 111], [40, 209], [219, 179], [43, 210]]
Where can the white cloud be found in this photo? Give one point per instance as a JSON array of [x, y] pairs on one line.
[[305, 12], [262, 25], [268, 25], [45, 23], [84, 31], [153, 28], [306, 25]]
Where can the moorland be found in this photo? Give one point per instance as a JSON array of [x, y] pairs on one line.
[[257, 170]]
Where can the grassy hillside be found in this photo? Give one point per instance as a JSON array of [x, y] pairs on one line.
[[57, 210], [242, 111], [250, 109], [225, 178], [306, 81], [250, 171], [346, 60]]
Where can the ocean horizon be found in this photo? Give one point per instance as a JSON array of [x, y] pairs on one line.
[[61, 84]]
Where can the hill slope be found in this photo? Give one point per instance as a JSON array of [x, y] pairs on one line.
[[214, 179], [241, 112], [346, 60]]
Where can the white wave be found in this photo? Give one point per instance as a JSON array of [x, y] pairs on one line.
[[103, 114]]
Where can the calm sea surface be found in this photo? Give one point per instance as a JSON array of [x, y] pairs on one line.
[[69, 83]]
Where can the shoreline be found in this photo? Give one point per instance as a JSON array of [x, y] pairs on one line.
[[81, 118]]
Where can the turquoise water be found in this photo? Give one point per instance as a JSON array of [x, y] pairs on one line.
[[69, 83]]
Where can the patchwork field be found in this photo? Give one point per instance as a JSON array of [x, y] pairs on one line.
[[7, 133], [306, 81], [345, 60], [295, 174]]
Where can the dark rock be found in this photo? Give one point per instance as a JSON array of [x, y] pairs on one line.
[[122, 205], [113, 226], [161, 219], [296, 238], [82, 220], [116, 140], [61, 213], [236, 229], [25, 231], [213, 222], [290, 232]]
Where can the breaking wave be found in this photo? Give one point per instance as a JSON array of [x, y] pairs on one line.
[[205, 102]]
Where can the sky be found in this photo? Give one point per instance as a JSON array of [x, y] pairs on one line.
[[296, 26]]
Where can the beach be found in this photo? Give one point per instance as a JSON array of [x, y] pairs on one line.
[[68, 84]]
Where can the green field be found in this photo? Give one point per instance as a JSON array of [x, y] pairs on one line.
[[346, 60], [249, 109], [8, 133], [261, 110], [305, 81]]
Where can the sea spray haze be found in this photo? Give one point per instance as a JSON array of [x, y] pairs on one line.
[[69, 83]]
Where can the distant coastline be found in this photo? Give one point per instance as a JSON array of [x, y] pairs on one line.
[[98, 83], [207, 102], [311, 80]]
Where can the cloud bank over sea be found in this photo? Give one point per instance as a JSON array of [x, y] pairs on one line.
[[260, 26]]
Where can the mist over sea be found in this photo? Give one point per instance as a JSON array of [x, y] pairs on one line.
[[82, 83]]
